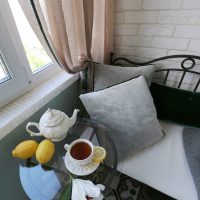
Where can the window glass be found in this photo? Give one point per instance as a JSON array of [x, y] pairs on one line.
[[37, 56], [4, 74]]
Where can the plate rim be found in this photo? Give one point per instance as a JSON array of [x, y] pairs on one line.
[[66, 157]]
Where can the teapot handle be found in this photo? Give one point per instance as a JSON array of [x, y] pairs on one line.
[[31, 132], [66, 147]]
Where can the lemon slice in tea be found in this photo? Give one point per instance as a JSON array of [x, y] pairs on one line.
[[99, 154]]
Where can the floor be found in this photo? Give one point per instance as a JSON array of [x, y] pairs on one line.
[[130, 189], [123, 187]]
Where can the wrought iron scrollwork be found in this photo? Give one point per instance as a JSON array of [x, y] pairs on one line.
[[184, 69], [185, 60]]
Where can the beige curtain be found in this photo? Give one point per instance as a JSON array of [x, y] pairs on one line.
[[72, 31], [102, 33]]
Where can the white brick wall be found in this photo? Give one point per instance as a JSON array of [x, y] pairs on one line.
[[119, 17], [170, 43], [126, 29], [187, 31], [154, 28], [191, 4], [140, 17], [194, 45], [128, 5], [161, 4], [149, 52], [179, 17], [136, 41]]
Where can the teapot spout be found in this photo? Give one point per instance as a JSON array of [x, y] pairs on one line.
[[73, 117]]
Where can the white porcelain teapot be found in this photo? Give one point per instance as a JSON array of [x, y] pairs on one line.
[[54, 124]]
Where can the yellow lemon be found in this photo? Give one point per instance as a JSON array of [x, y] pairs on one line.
[[99, 154], [25, 149], [45, 151]]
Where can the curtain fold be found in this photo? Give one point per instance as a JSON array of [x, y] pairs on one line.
[[102, 35], [72, 31]]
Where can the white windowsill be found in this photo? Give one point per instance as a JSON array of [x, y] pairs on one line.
[[14, 113]]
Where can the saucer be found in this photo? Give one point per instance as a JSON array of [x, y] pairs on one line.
[[80, 170]]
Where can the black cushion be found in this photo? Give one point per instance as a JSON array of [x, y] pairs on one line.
[[176, 105]]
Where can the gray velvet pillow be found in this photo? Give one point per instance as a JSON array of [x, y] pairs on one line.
[[108, 75], [128, 110]]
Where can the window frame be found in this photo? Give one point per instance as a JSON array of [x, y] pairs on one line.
[[14, 56], [4, 69]]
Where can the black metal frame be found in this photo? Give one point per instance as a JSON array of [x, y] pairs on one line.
[[183, 69]]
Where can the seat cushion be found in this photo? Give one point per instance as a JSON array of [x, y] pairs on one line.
[[163, 165]]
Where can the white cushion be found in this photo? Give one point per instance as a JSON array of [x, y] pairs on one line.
[[163, 165]]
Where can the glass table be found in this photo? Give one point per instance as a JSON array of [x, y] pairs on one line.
[[46, 182]]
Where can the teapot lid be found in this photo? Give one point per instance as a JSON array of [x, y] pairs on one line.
[[52, 117]]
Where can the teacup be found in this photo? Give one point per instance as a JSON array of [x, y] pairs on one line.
[[80, 151]]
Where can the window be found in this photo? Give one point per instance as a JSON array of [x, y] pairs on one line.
[[4, 74], [23, 61], [36, 55]]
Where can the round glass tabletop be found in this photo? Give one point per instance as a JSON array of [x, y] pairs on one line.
[[46, 182]]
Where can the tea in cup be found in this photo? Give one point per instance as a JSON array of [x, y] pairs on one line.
[[80, 151]]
